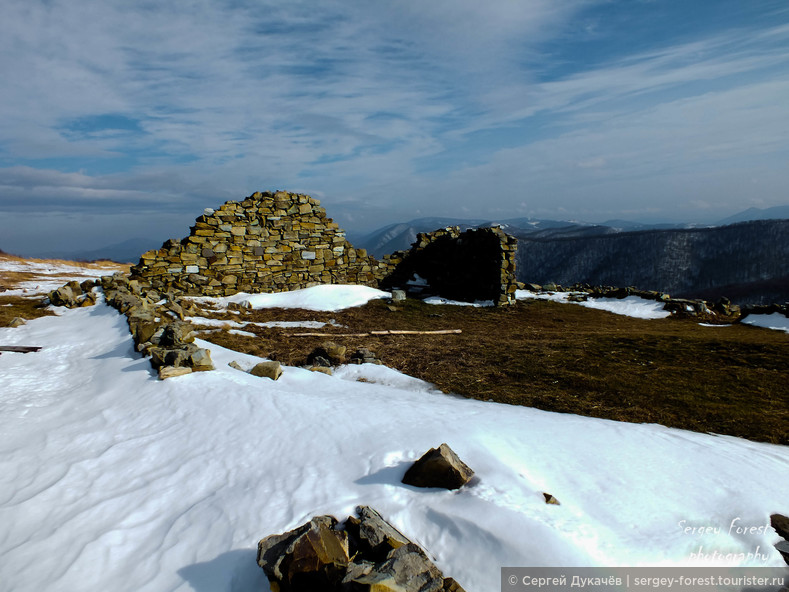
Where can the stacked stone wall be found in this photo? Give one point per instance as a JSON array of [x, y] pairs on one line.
[[269, 242], [478, 264]]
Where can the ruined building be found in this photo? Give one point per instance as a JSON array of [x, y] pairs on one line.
[[275, 242]]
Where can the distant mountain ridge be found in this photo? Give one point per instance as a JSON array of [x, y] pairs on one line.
[[774, 213], [746, 261], [396, 237]]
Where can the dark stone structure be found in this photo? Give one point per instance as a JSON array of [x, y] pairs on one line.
[[478, 264]]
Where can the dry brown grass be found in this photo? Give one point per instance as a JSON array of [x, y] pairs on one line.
[[16, 306], [29, 307], [567, 358]]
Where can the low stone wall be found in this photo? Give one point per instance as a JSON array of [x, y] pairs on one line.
[[478, 264], [270, 242]]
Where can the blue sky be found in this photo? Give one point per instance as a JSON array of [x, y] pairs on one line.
[[126, 119]]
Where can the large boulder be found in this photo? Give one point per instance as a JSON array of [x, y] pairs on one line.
[[365, 554], [64, 296], [312, 557], [439, 467]]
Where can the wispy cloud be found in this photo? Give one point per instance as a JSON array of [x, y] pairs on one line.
[[389, 106]]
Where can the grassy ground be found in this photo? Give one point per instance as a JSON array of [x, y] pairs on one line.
[[567, 358], [28, 306]]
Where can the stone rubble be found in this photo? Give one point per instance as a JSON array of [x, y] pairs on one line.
[[156, 327], [364, 554]]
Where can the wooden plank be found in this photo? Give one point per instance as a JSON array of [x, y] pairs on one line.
[[377, 333], [327, 335], [404, 332], [21, 349]]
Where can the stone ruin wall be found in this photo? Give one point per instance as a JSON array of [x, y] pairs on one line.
[[270, 242], [276, 242], [478, 264]]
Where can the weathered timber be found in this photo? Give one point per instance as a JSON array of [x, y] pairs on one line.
[[20, 349]]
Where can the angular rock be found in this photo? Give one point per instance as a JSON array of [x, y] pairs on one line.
[[87, 299], [63, 296], [322, 370], [363, 356], [172, 356], [174, 308], [783, 549], [549, 499], [327, 354], [143, 326], [374, 536], [17, 322], [200, 360], [406, 569], [272, 370], [439, 467], [236, 366], [314, 556], [177, 334], [450, 585], [171, 371], [781, 525]]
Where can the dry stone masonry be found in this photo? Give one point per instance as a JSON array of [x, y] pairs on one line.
[[269, 242], [276, 242], [478, 264]]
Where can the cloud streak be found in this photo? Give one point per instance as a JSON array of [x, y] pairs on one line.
[[387, 106]]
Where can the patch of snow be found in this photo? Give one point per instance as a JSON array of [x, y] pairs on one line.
[[631, 306], [242, 333], [380, 374], [775, 321], [439, 300], [711, 325], [206, 322], [113, 480], [417, 280], [289, 324], [50, 276], [327, 297], [552, 296]]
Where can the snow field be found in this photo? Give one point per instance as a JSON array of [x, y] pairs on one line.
[[112, 479]]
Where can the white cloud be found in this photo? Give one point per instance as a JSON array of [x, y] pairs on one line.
[[352, 98]]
